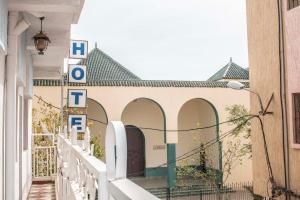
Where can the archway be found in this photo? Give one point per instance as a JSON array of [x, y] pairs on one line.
[[145, 113], [135, 151], [197, 113], [96, 115]]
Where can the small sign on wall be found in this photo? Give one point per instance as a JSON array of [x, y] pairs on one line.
[[77, 120], [77, 74], [77, 98], [159, 147], [78, 49]]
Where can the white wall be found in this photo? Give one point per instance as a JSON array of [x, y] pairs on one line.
[[3, 24], [17, 160], [2, 97], [3, 48]]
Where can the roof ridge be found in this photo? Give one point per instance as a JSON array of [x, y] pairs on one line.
[[226, 71], [116, 62], [140, 83]]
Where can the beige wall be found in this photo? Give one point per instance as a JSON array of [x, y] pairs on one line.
[[97, 112], [194, 114], [264, 79], [292, 30], [116, 99], [146, 113], [263, 41]]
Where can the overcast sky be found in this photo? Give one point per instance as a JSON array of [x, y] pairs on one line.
[[167, 39]]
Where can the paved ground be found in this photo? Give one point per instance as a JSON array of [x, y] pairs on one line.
[[42, 191]]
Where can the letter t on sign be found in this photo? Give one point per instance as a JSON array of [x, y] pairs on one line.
[[77, 98]]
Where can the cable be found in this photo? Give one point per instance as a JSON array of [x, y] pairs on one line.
[[266, 150], [204, 147], [161, 130]]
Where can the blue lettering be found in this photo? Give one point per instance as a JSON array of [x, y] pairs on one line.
[[76, 48], [81, 73], [76, 121], [77, 95]]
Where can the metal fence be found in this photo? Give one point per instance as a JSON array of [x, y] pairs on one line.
[[237, 191], [44, 156]]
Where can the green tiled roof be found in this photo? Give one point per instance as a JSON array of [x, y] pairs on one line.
[[230, 71], [139, 83], [102, 70], [100, 66]]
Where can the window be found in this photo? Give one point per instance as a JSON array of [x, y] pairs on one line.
[[293, 3], [296, 99]]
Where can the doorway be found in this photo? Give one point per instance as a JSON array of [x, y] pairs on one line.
[[135, 151]]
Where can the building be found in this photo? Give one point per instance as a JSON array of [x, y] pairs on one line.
[[150, 107], [273, 40], [19, 22]]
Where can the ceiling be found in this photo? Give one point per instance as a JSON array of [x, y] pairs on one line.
[[59, 15]]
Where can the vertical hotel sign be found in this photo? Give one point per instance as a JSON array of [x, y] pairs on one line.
[[77, 98]]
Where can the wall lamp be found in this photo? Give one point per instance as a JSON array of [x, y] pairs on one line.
[[236, 85], [41, 40]]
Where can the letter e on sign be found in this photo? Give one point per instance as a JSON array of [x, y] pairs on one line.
[[78, 49], [77, 74], [77, 120]]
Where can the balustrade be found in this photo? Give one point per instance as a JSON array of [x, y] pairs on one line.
[[82, 176]]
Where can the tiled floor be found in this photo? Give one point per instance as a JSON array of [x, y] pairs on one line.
[[42, 191]]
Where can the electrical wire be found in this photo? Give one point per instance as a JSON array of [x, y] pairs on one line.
[[204, 147], [157, 129]]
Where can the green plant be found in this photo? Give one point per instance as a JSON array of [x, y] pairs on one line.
[[98, 149], [234, 153]]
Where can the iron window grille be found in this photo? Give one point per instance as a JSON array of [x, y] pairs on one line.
[[293, 3]]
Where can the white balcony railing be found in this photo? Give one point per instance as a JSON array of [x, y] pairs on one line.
[[82, 176]]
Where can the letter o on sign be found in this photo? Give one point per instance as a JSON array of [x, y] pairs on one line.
[[77, 74]]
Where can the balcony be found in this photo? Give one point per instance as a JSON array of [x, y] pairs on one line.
[[80, 175]]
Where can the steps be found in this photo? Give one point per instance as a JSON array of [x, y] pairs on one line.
[[42, 191]]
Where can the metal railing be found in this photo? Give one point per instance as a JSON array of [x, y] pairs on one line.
[[44, 157], [293, 3], [233, 191]]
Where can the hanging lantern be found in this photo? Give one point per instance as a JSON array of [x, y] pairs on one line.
[[41, 40]]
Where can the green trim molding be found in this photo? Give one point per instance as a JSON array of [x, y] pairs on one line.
[[156, 171], [171, 159]]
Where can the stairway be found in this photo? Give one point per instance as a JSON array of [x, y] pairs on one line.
[[42, 191]]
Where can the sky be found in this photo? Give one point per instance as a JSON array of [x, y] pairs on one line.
[[167, 39]]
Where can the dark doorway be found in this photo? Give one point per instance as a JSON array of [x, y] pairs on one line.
[[135, 151]]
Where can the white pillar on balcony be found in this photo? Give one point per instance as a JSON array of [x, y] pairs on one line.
[[87, 141], [74, 135], [116, 163], [12, 179]]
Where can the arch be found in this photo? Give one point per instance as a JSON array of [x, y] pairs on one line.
[[135, 151], [147, 113], [199, 112], [97, 114]]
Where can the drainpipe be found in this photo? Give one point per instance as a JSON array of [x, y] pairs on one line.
[[12, 180], [285, 134]]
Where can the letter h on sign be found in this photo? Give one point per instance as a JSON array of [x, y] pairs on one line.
[[78, 49]]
